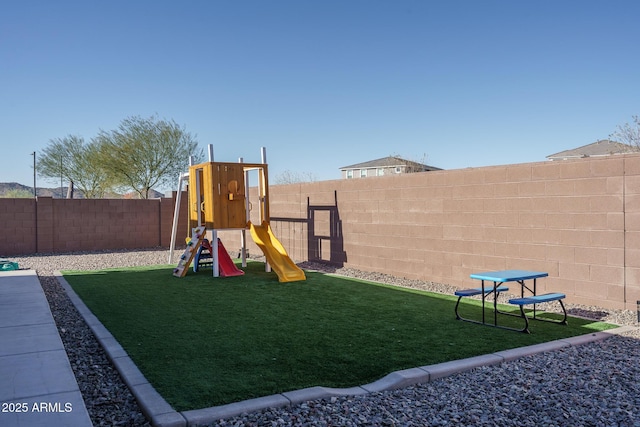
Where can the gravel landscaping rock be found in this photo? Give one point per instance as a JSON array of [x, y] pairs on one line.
[[596, 384]]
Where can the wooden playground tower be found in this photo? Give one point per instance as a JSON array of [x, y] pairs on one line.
[[219, 200]]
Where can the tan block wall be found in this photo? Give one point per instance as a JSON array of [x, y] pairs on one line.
[[577, 220], [86, 224], [630, 256], [167, 208], [105, 224], [17, 226]]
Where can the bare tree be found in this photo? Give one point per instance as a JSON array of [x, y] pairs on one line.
[[629, 133], [412, 166], [292, 177]]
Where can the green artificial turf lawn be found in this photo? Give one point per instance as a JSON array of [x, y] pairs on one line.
[[204, 341]]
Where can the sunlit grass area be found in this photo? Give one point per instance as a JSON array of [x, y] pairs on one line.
[[204, 341]]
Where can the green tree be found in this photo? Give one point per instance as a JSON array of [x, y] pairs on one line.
[[18, 194], [75, 161], [146, 152], [94, 180]]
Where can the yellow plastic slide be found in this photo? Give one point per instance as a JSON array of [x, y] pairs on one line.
[[275, 253]]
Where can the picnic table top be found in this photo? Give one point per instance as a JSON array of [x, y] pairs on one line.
[[509, 275]]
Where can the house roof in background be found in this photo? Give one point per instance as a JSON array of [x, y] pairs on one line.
[[389, 161], [603, 147]]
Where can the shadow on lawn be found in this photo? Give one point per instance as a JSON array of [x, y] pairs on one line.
[[588, 314]]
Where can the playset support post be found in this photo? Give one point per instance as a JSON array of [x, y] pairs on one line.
[[215, 267], [243, 232], [262, 195]]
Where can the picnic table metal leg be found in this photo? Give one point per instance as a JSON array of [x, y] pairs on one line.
[[523, 314], [495, 304], [526, 321], [564, 310], [483, 292], [483, 297], [534, 294], [456, 309]]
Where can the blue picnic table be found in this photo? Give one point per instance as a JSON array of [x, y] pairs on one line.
[[499, 278]]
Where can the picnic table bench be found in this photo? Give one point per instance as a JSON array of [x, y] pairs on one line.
[[504, 276]]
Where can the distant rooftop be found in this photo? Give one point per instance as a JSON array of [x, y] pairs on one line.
[[600, 148], [391, 161]]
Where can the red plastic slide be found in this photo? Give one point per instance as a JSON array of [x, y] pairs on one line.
[[225, 264]]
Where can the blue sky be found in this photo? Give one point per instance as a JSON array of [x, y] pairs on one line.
[[322, 83]]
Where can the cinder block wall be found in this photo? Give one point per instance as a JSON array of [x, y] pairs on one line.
[[86, 224], [17, 226], [577, 220], [97, 224], [630, 292], [167, 209]]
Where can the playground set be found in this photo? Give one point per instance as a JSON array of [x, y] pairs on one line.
[[218, 195]]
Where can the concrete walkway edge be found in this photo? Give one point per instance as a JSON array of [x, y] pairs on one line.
[[161, 414], [37, 384]]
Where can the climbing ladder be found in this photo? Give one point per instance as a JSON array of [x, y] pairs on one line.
[[197, 236], [204, 256]]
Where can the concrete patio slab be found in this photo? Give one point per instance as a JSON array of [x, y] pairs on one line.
[[37, 384], [56, 409], [28, 339], [22, 306], [35, 374]]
